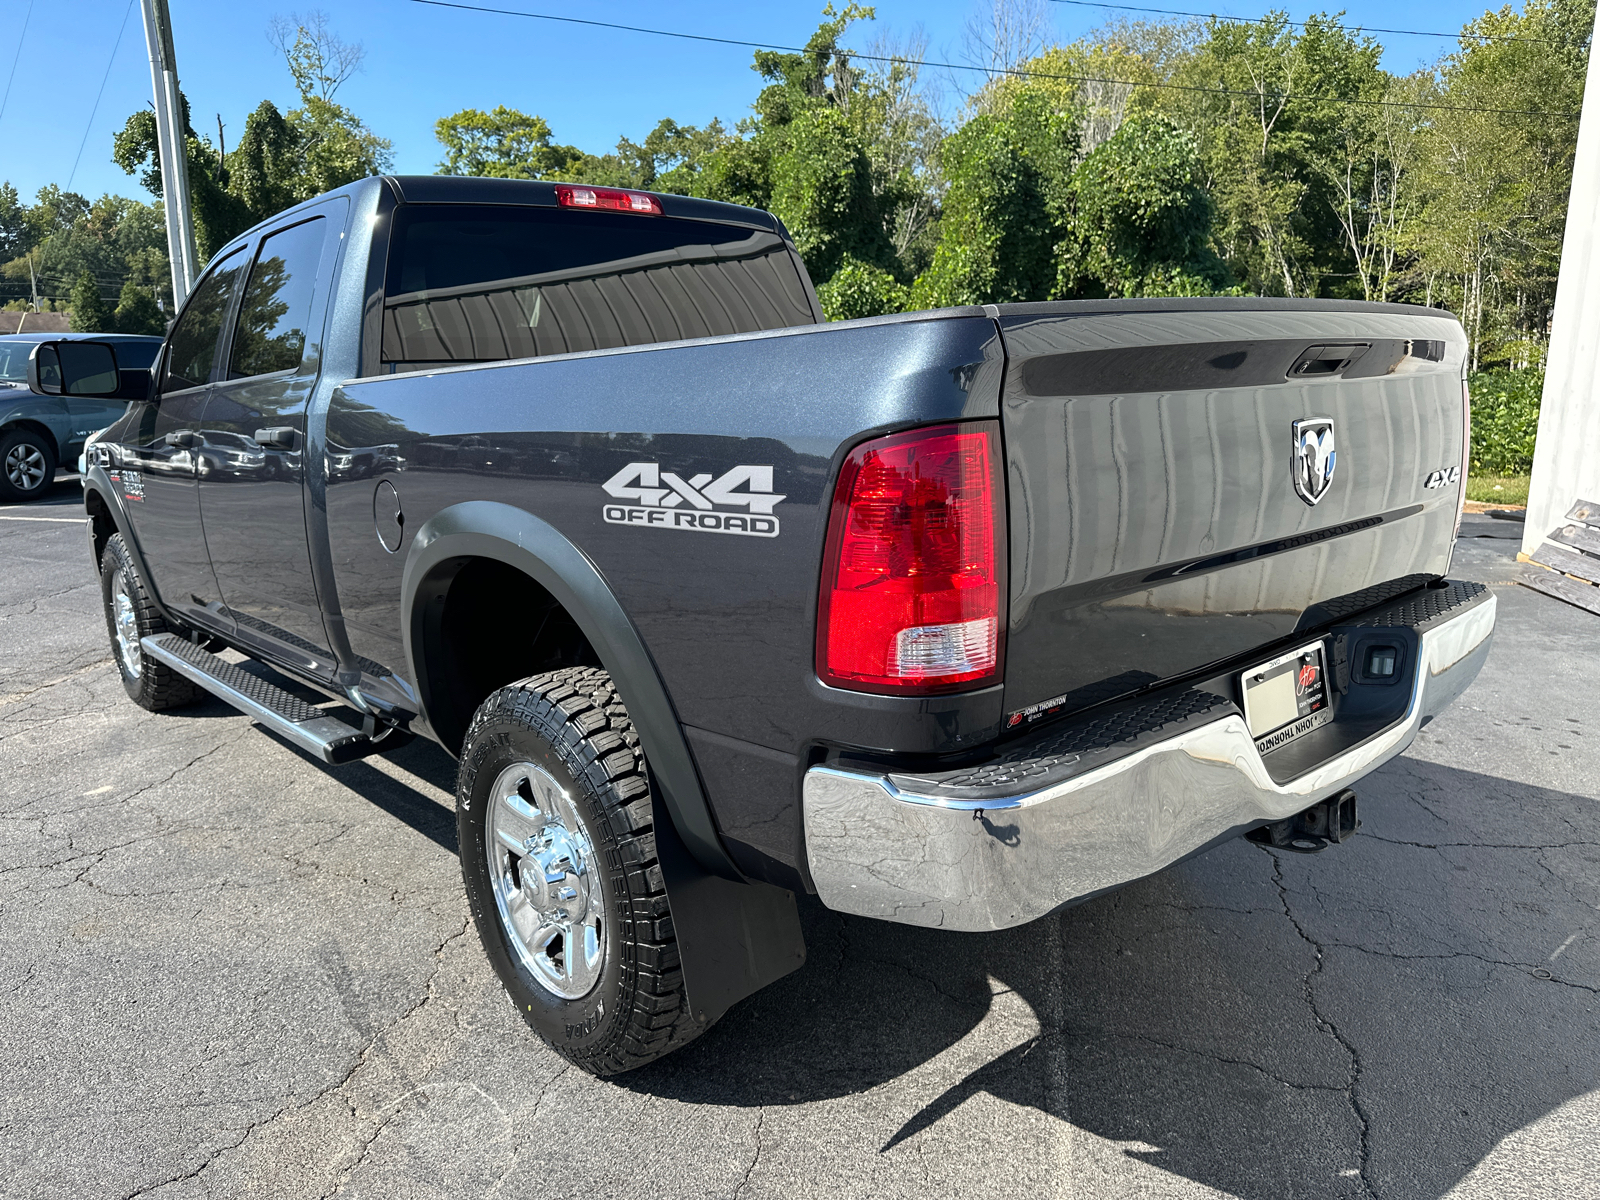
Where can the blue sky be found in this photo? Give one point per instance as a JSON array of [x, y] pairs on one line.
[[592, 85]]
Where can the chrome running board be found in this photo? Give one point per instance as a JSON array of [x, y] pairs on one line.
[[307, 726]]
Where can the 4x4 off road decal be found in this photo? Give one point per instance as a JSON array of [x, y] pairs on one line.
[[669, 501]]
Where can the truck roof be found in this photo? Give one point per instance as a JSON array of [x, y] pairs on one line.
[[535, 193], [539, 193]]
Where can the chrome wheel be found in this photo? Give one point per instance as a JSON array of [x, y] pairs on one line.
[[542, 864], [126, 623], [25, 467]]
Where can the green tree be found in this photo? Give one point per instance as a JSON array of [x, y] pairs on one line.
[[1495, 183], [1141, 223], [281, 159], [219, 215], [1271, 116], [264, 168], [112, 239], [504, 144], [859, 290], [1009, 174], [89, 312], [806, 155], [672, 158], [138, 312], [17, 235], [332, 146]]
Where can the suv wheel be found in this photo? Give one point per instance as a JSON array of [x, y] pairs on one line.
[[558, 852], [131, 617], [27, 465]]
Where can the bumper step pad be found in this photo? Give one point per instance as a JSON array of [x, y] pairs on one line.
[[307, 726], [1073, 749], [1083, 745]]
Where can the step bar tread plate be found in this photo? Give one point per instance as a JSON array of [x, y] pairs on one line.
[[307, 726]]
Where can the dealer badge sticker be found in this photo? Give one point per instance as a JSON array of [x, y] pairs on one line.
[[668, 501]]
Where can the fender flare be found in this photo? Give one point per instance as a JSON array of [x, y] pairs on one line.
[[488, 529], [98, 482]]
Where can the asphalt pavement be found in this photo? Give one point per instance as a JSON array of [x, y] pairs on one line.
[[229, 970]]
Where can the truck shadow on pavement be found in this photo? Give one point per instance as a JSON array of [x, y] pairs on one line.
[[404, 803], [1375, 1017]]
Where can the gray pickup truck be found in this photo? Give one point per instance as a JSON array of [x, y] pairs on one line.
[[950, 618]]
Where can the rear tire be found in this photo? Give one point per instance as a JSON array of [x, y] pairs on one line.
[[27, 465], [131, 617], [558, 853]]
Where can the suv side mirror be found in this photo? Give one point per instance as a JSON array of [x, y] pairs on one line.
[[73, 369]]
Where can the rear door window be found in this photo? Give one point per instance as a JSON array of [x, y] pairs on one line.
[[275, 311], [482, 283], [192, 349]]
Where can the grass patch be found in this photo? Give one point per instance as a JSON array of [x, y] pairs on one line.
[[1498, 489]]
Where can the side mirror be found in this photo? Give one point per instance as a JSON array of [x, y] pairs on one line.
[[74, 369]]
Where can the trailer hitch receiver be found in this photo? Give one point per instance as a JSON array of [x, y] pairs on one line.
[[1322, 825]]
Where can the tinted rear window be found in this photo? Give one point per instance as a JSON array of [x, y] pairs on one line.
[[482, 283]]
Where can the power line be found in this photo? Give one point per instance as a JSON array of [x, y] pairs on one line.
[[16, 58], [1014, 72], [115, 46], [1175, 12]]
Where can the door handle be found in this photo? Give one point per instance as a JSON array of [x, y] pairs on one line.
[[279, 437], [184, 438]]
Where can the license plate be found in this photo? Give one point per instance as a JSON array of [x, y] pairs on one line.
[[1287, 697]]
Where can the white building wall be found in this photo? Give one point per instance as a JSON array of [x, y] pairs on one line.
[[1566, 462]]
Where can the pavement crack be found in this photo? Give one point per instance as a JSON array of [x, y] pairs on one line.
[[14, 697], [761, 1118], [179, 770], [1212, 1056], [1479, 845], [1511, 964], [1309, 992]]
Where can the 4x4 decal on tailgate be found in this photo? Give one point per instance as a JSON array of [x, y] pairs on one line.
[[663, 499]]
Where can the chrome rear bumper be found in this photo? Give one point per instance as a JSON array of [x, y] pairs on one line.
[[878, 847]]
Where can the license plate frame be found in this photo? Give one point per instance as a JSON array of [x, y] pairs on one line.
[[1280, 703]]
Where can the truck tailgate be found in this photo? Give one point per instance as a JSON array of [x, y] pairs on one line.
[[1156, 525]]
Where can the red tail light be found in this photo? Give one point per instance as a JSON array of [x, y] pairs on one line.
[[577, 196], [914, 574]]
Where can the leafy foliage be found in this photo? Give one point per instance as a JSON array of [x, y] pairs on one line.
[[859, 289], [1005, 209], [1141, 223], [1505, 420], [64, 236], [504, 144], [282, 158], [89, 312], [138, 312]]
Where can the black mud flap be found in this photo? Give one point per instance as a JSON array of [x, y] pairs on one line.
[[1318, 827], [733, 938]]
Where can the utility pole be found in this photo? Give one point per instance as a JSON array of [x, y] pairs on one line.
[[170, 145]]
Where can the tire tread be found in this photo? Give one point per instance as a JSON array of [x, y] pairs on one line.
[[578, 710]]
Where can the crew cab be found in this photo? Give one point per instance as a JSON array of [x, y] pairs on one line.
[[951, 618]]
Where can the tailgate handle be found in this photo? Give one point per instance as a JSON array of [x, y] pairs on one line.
[[1326, 360], [279, 437]]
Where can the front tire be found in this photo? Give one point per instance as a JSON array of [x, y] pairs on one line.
[[558, 853], [27, 465], [131, 617]]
